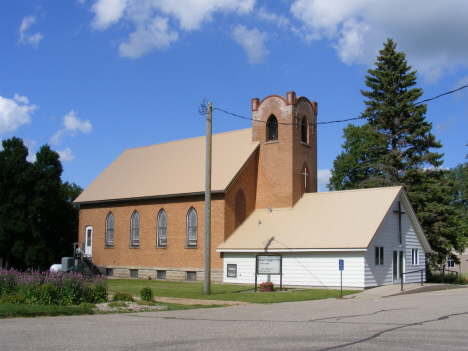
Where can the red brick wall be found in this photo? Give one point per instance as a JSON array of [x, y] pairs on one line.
[[176, 255], [247, 181], [280, 162]]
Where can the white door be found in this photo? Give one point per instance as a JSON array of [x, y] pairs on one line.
[[398, 265], [89, 241]]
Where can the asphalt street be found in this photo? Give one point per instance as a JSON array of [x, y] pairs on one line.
[[424, 321]]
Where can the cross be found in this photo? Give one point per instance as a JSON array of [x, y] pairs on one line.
[[305, 177], [400, 212]]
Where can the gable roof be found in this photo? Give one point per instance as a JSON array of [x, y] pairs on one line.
[[172, 168], [338, 220]]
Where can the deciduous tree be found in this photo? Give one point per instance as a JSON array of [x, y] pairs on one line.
[[38, 221]]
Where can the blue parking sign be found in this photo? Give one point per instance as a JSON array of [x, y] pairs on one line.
[[341, 263]]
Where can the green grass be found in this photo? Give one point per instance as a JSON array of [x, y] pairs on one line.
[[11, 311], [223, 292]]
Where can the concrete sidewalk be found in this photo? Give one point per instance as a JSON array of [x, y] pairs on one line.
[[395, 290]]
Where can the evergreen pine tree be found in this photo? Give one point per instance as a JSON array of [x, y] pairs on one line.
[[403, 155], [392, 111]]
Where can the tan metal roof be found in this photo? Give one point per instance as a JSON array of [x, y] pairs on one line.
[[331, 220], [176, 167]]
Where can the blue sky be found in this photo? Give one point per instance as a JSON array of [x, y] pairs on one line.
[[93, 78]]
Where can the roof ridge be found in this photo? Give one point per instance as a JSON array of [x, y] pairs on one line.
[[180, 140], [353, 190]]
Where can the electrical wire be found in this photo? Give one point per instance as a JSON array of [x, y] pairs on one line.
[[203, 110]]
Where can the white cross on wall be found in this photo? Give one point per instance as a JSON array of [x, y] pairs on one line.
[[305, 178]]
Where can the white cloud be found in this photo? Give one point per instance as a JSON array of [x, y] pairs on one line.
[[152, 19], [30, 144], [323, 177], [433, 37], [279, 20], [71, 125], [57, 137], [461, 83], [351, 43], [155, 36], [253, 43], [66, 155], [26, 38], [15, 113], [448, 123], [107, 12]]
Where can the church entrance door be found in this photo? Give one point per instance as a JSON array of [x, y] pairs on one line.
[[398, 266], [89, 241]]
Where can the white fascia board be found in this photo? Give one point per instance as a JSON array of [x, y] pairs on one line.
[[291, 250]]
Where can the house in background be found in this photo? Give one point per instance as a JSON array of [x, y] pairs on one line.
[[144, 215]]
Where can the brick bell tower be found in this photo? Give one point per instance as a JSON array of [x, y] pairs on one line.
[[288, 149]]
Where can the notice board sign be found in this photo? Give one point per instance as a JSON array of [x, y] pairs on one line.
[[269, 264]]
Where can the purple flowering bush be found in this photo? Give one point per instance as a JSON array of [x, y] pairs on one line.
[[50, 288]]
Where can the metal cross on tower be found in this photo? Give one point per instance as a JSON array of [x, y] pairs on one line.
[[305, 178]]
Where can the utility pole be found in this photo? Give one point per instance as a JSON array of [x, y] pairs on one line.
[[207, 280]]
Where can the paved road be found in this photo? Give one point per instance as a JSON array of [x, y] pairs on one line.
[[427, 321]]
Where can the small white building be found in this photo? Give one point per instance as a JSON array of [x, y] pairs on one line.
[[375, 232]]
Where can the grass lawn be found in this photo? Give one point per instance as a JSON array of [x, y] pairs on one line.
[[11, 311], [224, 292]]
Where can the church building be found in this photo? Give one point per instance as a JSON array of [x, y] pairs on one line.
[[143, 216]]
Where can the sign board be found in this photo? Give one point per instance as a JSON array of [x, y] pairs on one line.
[[268, 264], [341, 264]]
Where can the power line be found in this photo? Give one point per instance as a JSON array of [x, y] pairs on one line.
[[203, 110], [438, 96]]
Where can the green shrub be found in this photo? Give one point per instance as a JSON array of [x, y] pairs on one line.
[[146, 294], [122, 296], [14, 298], [117, 304], [49, 294], [100, 292], [7, 282]]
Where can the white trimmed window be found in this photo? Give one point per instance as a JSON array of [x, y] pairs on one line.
[[232, 270], [110, 229], [162, 228], [415, 257], [192, 227], [379, 256], [450, 263], [135, 230]]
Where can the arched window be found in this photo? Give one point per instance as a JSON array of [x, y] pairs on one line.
[[192, 227], [162, 228], [272, 128], [304, 129], [110, 229], [240, 208], [135, 230], [305, 179]]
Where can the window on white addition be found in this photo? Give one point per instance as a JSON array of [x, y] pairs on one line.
[[232, 270], [379, 256], [415, 257]]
